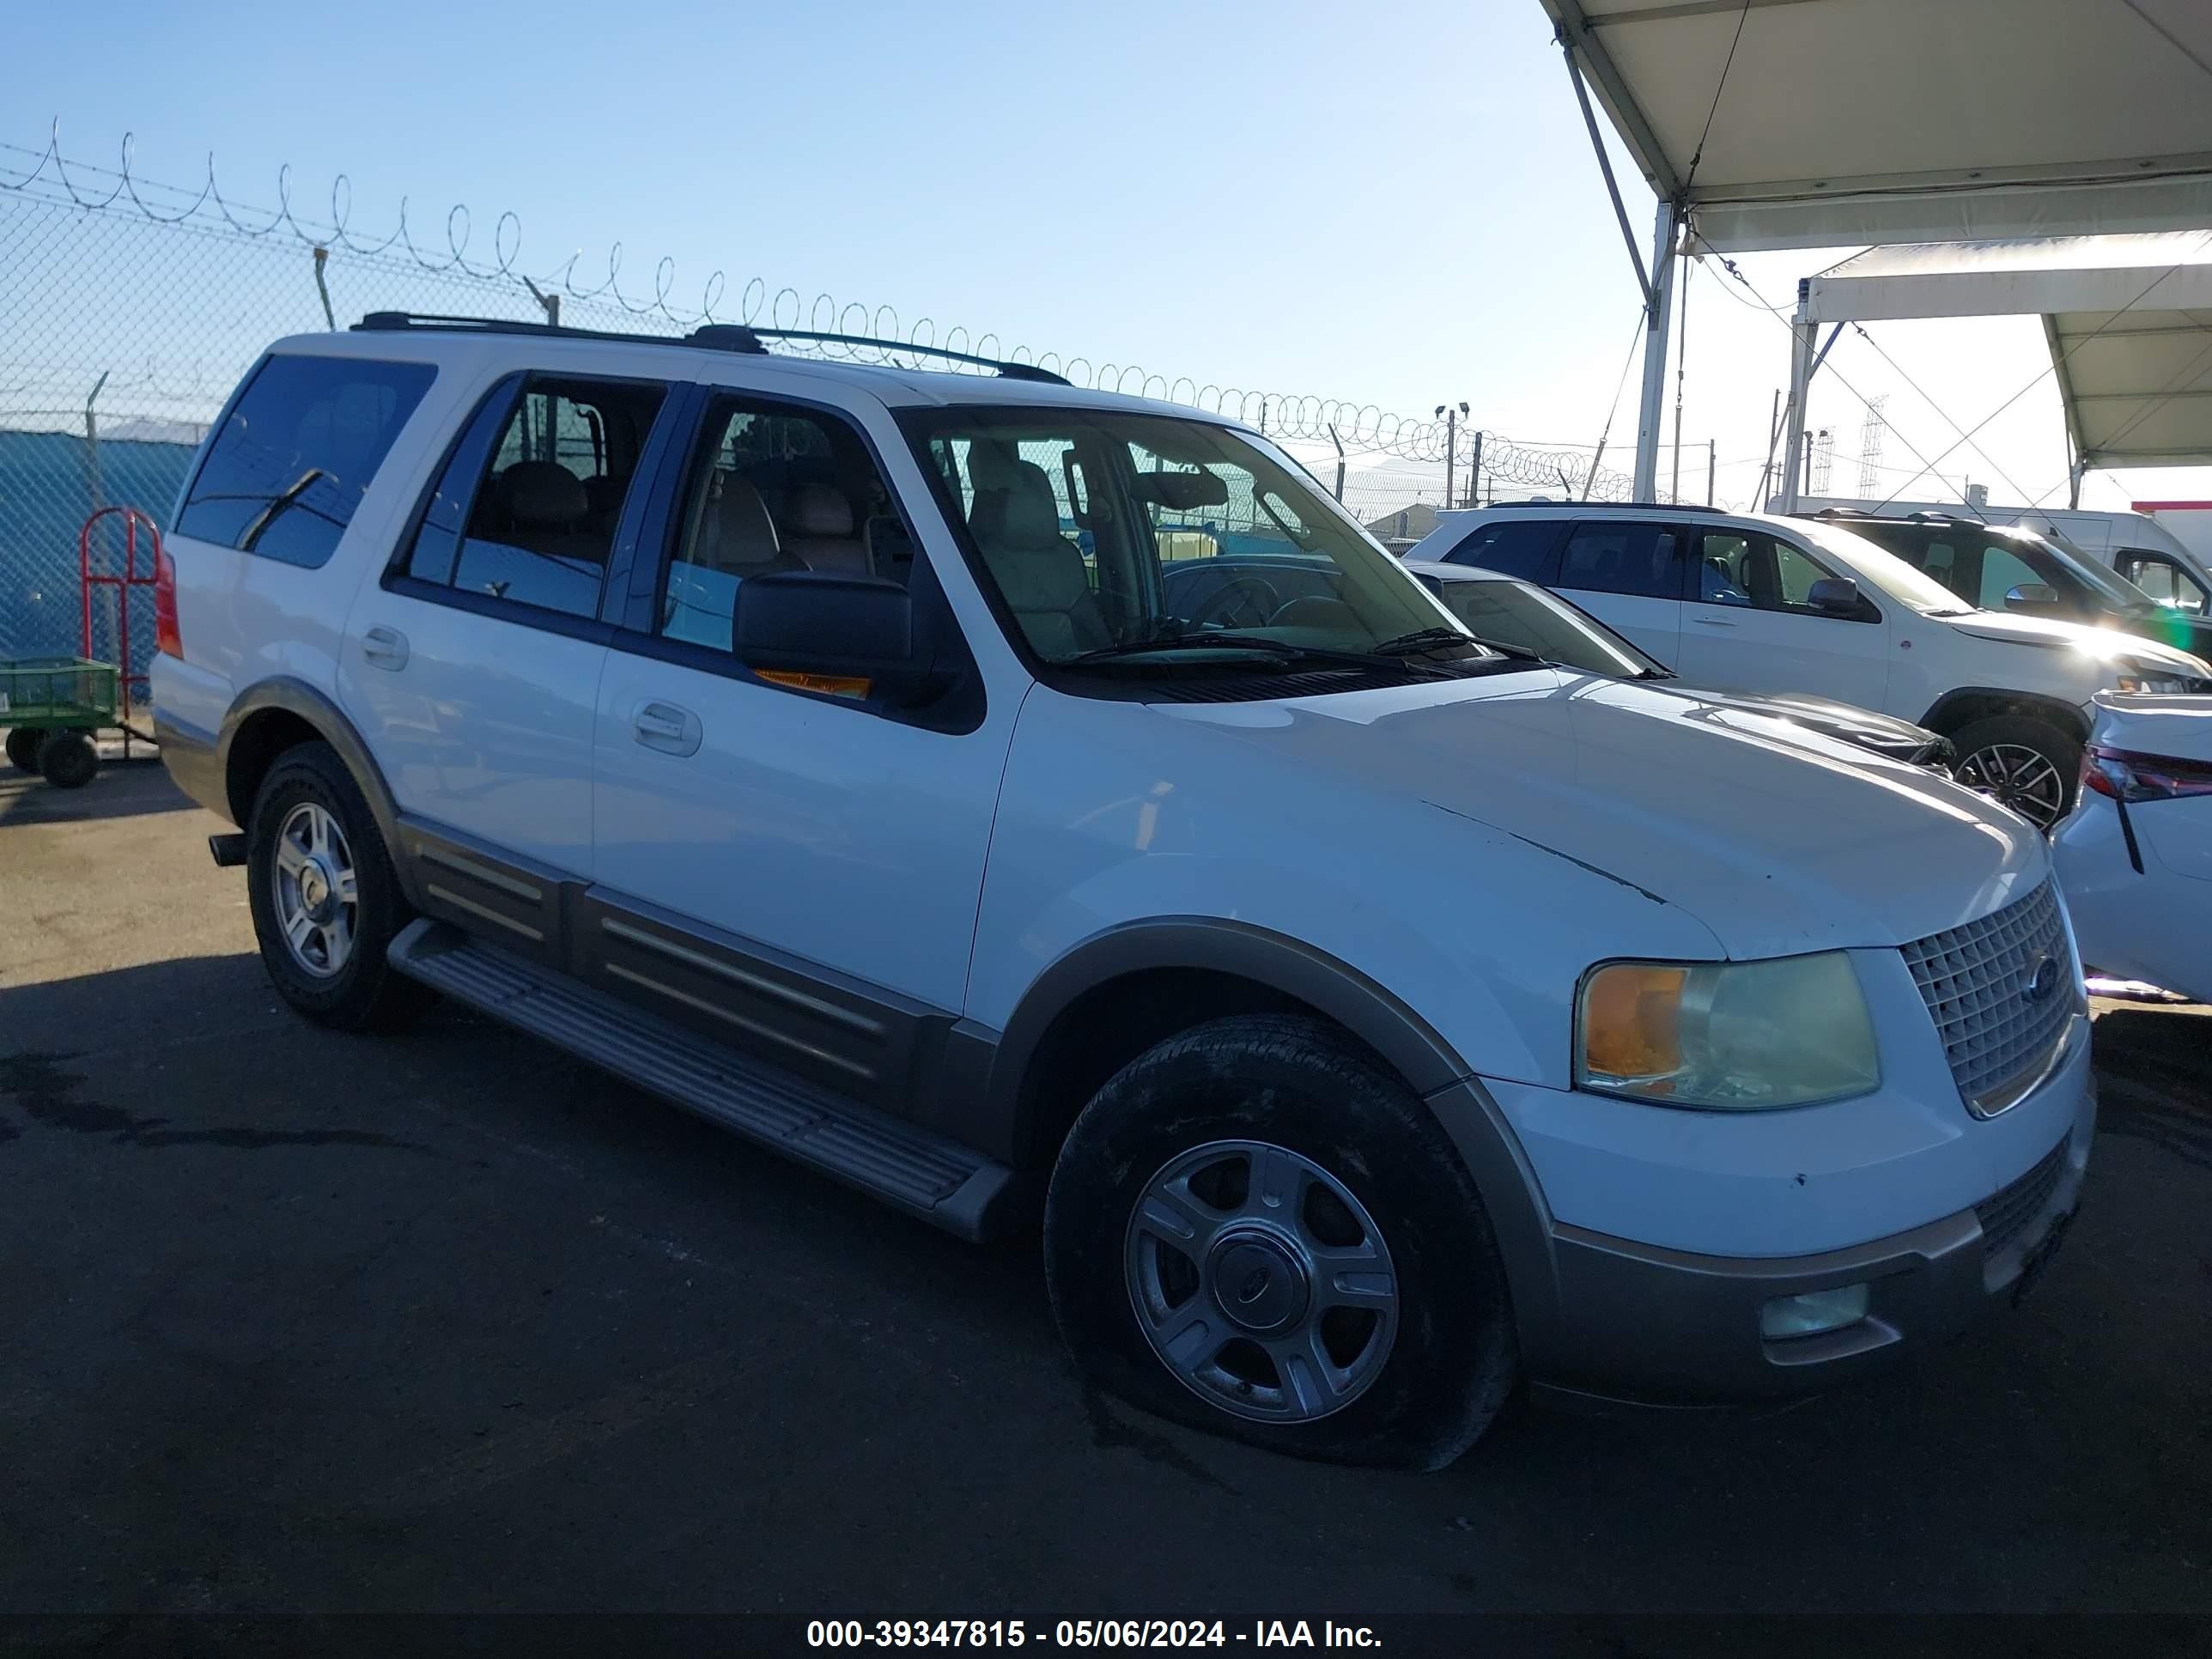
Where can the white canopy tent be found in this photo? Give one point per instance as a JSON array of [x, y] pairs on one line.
[[2128, 320], [1779, 123]]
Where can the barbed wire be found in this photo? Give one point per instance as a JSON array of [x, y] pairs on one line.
[[49, 174]]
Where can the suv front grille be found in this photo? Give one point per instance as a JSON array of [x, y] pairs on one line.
[[2005, 1216], [1976, 980]]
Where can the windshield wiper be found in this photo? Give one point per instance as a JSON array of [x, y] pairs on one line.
[[1428, 639], [1284, 653]]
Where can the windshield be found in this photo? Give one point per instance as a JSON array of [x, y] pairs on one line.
[[1509, 612], [1883, 570], [1127, 540]]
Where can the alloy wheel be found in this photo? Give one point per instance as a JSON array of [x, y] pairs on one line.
[[1260, 1281], [2014, 775], [316, 892]]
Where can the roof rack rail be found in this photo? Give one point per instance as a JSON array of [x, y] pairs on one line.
[[712, 336], [378, 322], [1652, 506]]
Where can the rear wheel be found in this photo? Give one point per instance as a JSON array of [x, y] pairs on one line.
[[1254, 1230], [2027, 764], [325, 900], [23, 748], [67, 760]]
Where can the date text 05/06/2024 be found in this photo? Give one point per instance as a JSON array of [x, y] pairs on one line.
[[1086, 1633]]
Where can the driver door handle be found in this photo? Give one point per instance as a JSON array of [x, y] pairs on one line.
[[1712, 622]]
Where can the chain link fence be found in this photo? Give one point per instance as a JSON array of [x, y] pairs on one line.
[[130, 308]]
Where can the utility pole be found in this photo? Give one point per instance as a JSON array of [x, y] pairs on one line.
[[1773, 433], [1451, 415], [1475, 472], [1712, 467], [1339, 442]]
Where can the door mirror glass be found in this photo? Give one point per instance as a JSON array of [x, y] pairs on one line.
[[2032, 596], [848, 635], [1839, 595]]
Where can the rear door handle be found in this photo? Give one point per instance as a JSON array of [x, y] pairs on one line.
[[1712, 622], [384, 647], [666, 727]]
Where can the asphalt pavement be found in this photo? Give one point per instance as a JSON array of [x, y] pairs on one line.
[[292, 1322]]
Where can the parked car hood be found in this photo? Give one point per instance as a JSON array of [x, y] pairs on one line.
[[2106, 644], [1779, 841], [1847, 722]]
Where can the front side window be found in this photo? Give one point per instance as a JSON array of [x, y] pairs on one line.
[[534, 524], [2164, 581], [1762, 572], [1134, 537], [297, 452], [774, 487], [2003, 570]]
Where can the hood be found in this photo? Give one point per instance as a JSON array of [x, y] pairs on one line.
[[1778, 841], [2106, 645], [1846, 722]]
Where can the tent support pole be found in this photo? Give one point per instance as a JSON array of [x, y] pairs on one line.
[[1657, 317], [1802, 331]]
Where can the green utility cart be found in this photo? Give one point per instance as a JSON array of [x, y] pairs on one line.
[[51, 706]]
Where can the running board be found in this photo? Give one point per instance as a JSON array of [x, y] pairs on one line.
[[920, 1172]]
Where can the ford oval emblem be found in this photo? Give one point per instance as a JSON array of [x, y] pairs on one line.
[[2042, 980]]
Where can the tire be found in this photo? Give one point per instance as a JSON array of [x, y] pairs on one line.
[[1317, 1106], [23, 745], [1995, 755], [68, 760], [353, 989]]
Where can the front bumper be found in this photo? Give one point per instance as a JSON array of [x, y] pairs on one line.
[[1603, 1316], [1670, 1327]]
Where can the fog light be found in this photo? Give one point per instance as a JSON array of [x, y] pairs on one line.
[[1814, 1312]]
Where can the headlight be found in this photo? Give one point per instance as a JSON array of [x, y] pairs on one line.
[[1741, 1037]]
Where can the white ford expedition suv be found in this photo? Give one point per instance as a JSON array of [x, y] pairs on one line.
[[1041, 808], [1759, 603]]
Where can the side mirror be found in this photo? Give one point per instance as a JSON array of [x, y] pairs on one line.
[[1837, 595], [824, 632], [2032, 596]]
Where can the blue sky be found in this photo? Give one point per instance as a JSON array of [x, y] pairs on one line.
[[1396, 204]]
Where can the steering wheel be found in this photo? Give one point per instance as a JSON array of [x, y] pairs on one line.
[[1226, 597]]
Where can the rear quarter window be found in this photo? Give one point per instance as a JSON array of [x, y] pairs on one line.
[[1516, 546], [296, 453]]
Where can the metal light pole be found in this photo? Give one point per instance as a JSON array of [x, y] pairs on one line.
[[1451, 415]]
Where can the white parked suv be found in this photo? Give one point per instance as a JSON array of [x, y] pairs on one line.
[[1759, 603], [1370, 1019]]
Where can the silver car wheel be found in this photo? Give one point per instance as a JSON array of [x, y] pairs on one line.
[[2017, 776], [1260, 1281], [316, 891]]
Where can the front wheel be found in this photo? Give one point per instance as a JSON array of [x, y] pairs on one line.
[[1254, 1230], [2022, 762]]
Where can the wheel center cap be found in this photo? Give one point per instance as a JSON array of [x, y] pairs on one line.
[[316, 891], [1258, 1282]]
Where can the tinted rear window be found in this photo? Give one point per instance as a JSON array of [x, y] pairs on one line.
[[296, 454], [1516, 546], [1623, 558]]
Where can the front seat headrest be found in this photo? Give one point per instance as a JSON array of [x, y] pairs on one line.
[[818, 509], [744, 534], [1019, 514], [544, 495]]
